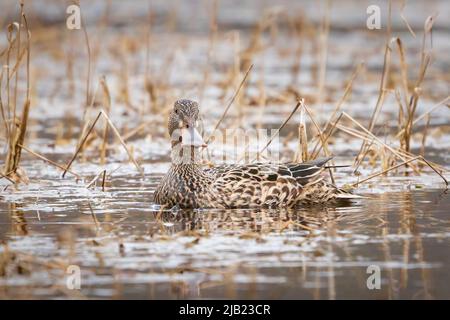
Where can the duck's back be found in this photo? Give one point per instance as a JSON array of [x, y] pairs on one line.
[[265, 184], [249, 185]]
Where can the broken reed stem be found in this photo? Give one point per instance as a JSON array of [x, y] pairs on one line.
[[399, 165], [6, 177], [86, 124], [2, 108], [321, 138], [94, 216], [384, 171], [48, 160], [407, 118], [16, 76], [116, 132], [81, 144], [314, 154], [319, 131], [135, 131], [28, 55], [302, 155], [353, 132], [431, 110], [440, 103], [103, 180], [401, 109], [229, 104], [94, 180], [435, 170], [371, 135], [347, 91], [14, 151], [403, 70], [16, 130], [372, 141], [113, 127], [107, 106], [11, 42], [407, 133], [404, 18], [302, 226], [282, 126], [17, 64], [402, 154], [12, 124]]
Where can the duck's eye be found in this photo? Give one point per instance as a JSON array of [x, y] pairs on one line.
[[176, 111], [187, 126]]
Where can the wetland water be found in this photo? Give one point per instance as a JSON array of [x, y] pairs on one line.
[[305, 253], [125, 247]]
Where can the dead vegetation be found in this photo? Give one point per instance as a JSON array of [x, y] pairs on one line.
[[16, 55], [407, 92], [97, 137]]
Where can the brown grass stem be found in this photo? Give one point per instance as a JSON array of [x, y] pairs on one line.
[[81, 144], [399, 165], [122, 142], [281, 127], [48, 160], [230, 103]]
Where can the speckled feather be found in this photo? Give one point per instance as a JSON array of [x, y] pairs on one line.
[[241, 186], [189, 185]]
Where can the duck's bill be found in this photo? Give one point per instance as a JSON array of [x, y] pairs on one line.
[[191, 137]]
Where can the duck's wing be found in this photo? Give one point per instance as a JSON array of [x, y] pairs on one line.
[[301, 172], [304, 172], [265, 184]]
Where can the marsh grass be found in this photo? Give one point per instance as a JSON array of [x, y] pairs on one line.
[[15, 128], [407, 94], [98, 136]]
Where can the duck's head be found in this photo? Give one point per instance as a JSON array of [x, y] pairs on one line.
[[183, 124]]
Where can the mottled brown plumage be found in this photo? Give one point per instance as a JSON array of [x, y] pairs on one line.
[[189, 185]]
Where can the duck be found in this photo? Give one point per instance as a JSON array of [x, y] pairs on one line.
[[189, 184]]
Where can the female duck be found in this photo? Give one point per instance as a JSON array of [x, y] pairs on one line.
[[189, 185]]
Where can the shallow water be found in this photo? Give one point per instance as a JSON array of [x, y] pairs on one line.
[[126, 247], [125, 250]]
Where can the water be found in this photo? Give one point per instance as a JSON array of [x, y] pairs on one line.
[[125, 247]]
